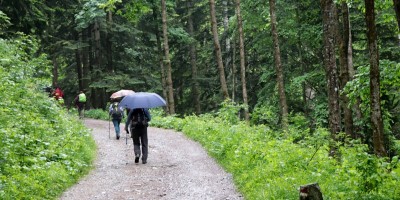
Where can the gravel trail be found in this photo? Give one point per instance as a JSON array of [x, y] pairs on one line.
[[177, 168]]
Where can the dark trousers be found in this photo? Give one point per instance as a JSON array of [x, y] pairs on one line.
[[139, 136], [81, 110]]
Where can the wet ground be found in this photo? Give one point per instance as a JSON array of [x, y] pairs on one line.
[[177, 168]]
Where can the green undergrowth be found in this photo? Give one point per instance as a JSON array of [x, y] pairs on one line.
[[268, 164], [43, 149], [96, 114]]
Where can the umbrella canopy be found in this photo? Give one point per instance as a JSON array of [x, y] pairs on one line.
[[121, 94], [142, 100]]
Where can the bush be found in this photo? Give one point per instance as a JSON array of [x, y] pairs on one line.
[[268, 165], [44, 150], [97, 114]]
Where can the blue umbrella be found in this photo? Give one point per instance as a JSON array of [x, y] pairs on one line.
[[142, 100]]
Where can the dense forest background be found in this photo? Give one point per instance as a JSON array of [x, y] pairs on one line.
[[313, 64]]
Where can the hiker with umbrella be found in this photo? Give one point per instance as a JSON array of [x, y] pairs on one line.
[[138, 119], [115, 111]]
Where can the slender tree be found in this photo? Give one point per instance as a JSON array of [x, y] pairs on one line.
[[78, 60], [351, 127], [227, 64], [356, 107], [55, 70], [217, 48], [193, 59], [344, 74], [396, 5], [167, 61], [374, 83], [329, 30], [160, 54], [110, 65], [278, 66], [242, 61]]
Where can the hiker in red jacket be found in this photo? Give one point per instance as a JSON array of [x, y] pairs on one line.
[[58, 93]]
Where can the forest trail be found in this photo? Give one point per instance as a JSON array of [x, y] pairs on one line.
[[177, 168]]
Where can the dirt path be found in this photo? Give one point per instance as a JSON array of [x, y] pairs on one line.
[[177, 168]]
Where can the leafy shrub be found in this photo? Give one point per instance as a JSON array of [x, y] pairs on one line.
[[97, 114], [268, 165], [44, 150], [358, 90], [265, 115]]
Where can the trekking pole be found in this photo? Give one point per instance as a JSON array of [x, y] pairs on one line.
[[126, 138]]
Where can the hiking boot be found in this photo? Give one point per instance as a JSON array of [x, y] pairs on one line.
[[117, 137], [137, 159], [144, 161]]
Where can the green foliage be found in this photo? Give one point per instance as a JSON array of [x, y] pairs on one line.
[[267, 165], [44, 150], [4, 22], [229, 112], [358, 89], [90, 13], [265, 115], [97, 114], [17, 53], [135, 10]]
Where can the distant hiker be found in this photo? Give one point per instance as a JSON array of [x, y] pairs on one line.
[[116, 113], [138, 119], [58, 93], [80, 101]]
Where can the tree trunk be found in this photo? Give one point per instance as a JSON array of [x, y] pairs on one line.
[[233, 73], [225, 5], [278, 67], [87, 65], [99, 99], [376, 113], [356, 108], [167, 62], [242, 61], [110, 66], [217, 48], [329, 30], [55, 70], [160, 57], [78, 58], [192, 53], [344, 68], [396, 5]]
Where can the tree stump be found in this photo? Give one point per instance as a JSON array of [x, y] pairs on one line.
[[310, 192]]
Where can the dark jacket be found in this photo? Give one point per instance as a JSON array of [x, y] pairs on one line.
[[130, 115]]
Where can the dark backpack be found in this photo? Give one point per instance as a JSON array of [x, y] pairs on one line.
[[115, 112], [139, 119]]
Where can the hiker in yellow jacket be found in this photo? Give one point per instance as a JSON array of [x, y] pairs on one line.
[[80, 101]]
